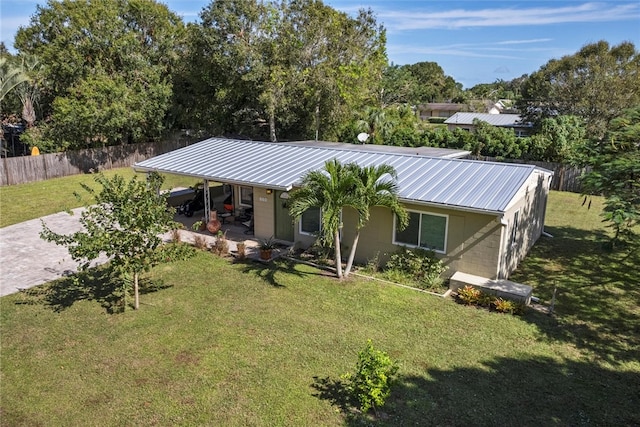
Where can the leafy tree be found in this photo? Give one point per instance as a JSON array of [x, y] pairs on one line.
[[330, 189], [597, 84], [107, 66], [374, 186], [399, 86], [296, 68], [616, 174], [434, 85], [557, 139], [125, 223]]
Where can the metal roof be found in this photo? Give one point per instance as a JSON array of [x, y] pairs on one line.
[[508, 120], [465, 184], [449, 153]]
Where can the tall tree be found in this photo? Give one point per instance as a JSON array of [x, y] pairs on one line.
[[597, 84], [331, 190], [374, 186], [297, 68], [107, 68], [125, 223], [615, 163]]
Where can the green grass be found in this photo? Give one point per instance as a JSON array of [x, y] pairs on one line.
[[218, 343], [23, 202]]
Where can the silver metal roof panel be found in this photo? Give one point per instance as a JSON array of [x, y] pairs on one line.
[[509, 120], [466, 184]]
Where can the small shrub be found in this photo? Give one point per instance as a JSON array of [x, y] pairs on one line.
[[200, 242], [469, 295], [507, 306], [241, 250], [221, 246], [422, 266], [504, 305], [485, 299], [370, 384], [175, 236], [373, 264]]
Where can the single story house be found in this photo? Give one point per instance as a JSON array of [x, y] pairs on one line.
[[511, 121], [480, 217]]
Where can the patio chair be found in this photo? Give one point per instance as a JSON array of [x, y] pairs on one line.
[[249, 225]]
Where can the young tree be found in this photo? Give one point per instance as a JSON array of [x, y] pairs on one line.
[[375, 186], [330, 189], [125, 224]]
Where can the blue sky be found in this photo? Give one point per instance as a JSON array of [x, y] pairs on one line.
[[473, 41]]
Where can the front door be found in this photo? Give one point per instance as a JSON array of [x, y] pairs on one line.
[[284, 222]]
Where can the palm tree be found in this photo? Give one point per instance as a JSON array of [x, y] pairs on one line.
[[375, 186], [330, 189], [10, 77]]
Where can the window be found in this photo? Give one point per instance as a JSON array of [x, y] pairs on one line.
[[424, 230], [310, 221], [514, 230], [246, 196]]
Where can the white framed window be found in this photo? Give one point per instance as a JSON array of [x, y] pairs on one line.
[[425, 230], [310, 223], [246, 196]]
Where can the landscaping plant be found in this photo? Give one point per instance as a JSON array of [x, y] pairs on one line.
[[370, 384], [420, 266], [126, 224]]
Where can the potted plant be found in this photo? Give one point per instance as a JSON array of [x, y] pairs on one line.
[[266, 248]]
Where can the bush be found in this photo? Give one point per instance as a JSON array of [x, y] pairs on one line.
[[370, 384], [423, 267], [506, 306], [469, 295], [199, 242], [221, 246]]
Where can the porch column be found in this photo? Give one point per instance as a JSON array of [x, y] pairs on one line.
[[207, 196]]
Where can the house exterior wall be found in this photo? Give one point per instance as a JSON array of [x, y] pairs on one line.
[[263, 213], [481, 244], [473, 240], [522, 232]]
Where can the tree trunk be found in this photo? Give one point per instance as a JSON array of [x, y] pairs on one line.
[[338, 254], [272, 119], [352, 255], [136, 304]]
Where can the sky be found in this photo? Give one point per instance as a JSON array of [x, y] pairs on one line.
[[473, 41]]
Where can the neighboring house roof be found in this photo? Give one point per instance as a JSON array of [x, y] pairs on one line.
[[442, 106], [464, 184], [503, 120]]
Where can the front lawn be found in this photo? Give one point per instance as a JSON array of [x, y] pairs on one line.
[[32, 200], [235, 344]]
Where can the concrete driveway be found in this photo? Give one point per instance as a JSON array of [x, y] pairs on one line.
[[27, 261]]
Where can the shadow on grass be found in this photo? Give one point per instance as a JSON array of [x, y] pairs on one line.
[[270, 271], [99, 284], [598, 292], [503, 391]]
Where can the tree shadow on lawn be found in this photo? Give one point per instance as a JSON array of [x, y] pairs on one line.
[[267, 271], [598, 292], [100, 284], [503, 391]]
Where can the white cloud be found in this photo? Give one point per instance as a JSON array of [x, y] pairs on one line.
[[507, 17]]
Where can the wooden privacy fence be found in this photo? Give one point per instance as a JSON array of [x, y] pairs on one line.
[[565, 177], [19, 170]]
